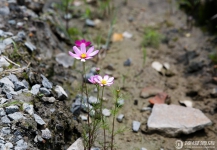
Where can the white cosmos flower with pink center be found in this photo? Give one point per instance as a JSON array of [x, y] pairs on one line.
[[82, 54], [105, 81]]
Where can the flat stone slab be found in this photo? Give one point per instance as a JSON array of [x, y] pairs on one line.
[[174, 119], [77, 145]]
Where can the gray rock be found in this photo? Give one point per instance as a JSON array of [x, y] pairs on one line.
[[28, 108], [3, 62], [19, 25], [120, 118], [12, 22], [120, 102], [13, 78], [93, 100], [65, 60], [46, 134], [83, 117], [8, 41], [2, 112], [106, 112], [21, 145], [11, 109], [90, 23], [4, 11], [77, 145], [95, 148], [127, 62], [2, 48], [3, 100], [136, 126], [30, 46], [9, 145], [44, 91], [146, 109], [61, 94], [16, 116], [174, 119], [21, 35], [5, 120], [35, 89], [39, 138], [38, 119], [18, 86], [25, 83], [6, 81], [5, 34], [49, 99], [7, 89], [46, 83], [87, 76], [2, 142], [2, 146], [5, 130], [8, 95], [67, 16]]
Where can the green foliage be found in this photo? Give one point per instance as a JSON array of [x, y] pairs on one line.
[[213, 57], [144, 55], [74, 33], [16, 102], [151, 38]]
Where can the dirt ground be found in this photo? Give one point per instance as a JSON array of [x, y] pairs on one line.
[[196, 85]]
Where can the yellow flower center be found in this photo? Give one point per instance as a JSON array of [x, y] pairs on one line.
[[83, 55], [103, 81]]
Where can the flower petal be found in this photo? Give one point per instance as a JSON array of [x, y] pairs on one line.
[[83, 48], [99, 78], [88, 43], [77, 51], [88, 57], [83, 60], [74, 55], [106, 77], [111, 79], [94, 53], [90, 50]]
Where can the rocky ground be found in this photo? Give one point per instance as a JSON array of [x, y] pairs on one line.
[[40, 83]]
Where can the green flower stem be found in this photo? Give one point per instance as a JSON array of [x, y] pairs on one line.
[[113, 121], [103, 121], [88, 115]]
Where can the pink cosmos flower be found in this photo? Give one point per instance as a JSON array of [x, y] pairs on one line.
[[82, 54], [106, 80], [93, 79], [78, 43]]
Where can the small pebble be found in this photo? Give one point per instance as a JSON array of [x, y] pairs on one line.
[[120, 118]]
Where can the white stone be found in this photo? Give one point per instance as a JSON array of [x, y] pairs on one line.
[[187, 103], [77, 145], [106, 112], [65, 60], [127, 35], [35, 89], [5, 80], [166, 65], [93, 100], [28, 108], [3, 62], [157, 66], [174, 119], [61, 94], [136, 126]]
